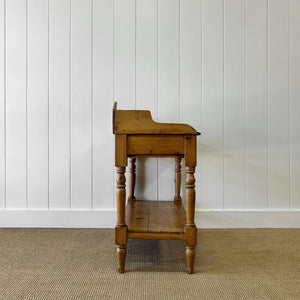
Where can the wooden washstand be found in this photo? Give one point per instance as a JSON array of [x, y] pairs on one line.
[[136, 134]]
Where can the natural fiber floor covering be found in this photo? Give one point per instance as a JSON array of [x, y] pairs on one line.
[[81, 264]]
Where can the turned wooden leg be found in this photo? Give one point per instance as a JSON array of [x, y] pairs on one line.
[[190, 228], [190, 258], [121, 228], [121, 255], [177, 197], [131, 178]]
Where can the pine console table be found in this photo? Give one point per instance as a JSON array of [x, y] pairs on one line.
[[136, 134]]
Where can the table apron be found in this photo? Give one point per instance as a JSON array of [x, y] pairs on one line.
[[155, 145]]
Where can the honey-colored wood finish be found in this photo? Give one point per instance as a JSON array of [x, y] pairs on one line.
[[155, 217], [138, 135], [131, 178], [140, 122], [177, 179], [121, 228], [155, 144]]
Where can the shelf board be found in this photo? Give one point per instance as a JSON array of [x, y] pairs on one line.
[[155, 219]]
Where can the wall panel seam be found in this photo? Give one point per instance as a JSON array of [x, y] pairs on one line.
[[48, 108], [201, 176], [179, 59], [246, 97], [268, 100], [70, 107], [5, 99], [290, 102], [113, 91], [26, 105], [223, 140], [135, 58], [92, 104], [157, 86]]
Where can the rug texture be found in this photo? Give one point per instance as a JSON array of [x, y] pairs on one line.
[[81, 264]]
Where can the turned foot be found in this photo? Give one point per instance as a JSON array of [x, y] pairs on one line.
[[121, 256], [190, 258]]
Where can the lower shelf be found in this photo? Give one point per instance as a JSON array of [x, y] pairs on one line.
[[155, 219]]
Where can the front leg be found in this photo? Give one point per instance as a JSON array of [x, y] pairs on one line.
[[121, 228], [190, 227]]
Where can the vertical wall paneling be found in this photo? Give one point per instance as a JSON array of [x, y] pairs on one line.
[[37, 104], [191, 73], [2, 104], [103, 158], [124, 53], [234, 105], [81, 104], [295, 104], [279, 109], [230, 68], [256, 106], [146, 88], [212, 98], [190, 62], [59, 104], [168, 61], [16, 191], [168, 84]]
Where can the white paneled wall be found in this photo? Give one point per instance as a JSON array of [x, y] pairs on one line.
[[256, 106], [37, 125], [147, 87], [59, 105], [295, 105], [2, 105], [230, 68], [15, 105], [212, 141]]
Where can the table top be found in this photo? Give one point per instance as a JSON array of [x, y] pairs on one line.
[[141, 122]]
